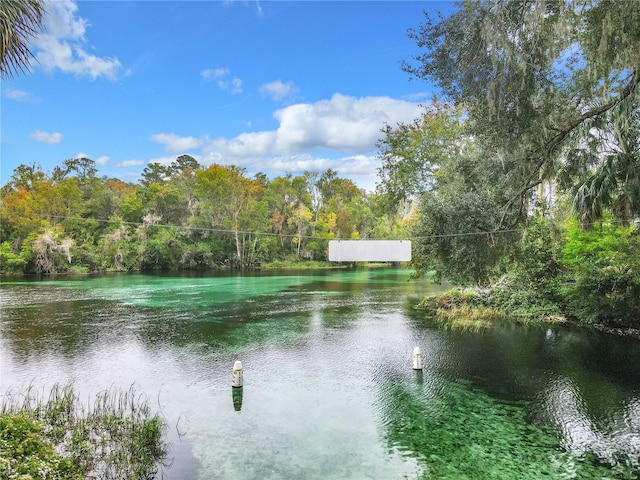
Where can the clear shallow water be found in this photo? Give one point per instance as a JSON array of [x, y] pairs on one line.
[[329, 390]]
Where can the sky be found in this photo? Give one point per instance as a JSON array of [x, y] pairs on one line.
[[269, 86]]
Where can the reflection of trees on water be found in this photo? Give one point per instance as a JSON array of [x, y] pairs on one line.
[[209, 311], [64, 328], [614, 440], [525, 398], [290, 314], [529, 404], [48, 322], [71, 324]]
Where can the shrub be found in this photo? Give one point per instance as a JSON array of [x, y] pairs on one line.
[[26, 452], [117, 438], [605, 262], [10, 261]]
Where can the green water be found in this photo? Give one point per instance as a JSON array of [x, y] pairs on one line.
[[329, 392]]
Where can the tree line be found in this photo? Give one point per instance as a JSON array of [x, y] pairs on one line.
[[522, 177], [526, 169], [179, 216]]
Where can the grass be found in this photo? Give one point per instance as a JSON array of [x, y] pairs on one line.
[[59, 438], [469, 318], [296, 264], [461, 310], [478, 309]]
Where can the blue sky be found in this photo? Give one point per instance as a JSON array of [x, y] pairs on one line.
[[271, 86]]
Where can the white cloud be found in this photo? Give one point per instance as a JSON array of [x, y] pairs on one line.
[[254, 144], [63, 45], [46, 137], [361, 166], [175, 143], [341, 124], [234, 85], [61, 20], [278, 90], [129, 163], [213, 73], [347, 126], [15, 94], [297, 164], [222, 79], [19, 95]]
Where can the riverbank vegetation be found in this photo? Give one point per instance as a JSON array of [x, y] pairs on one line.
[[522, 178], [181, 216], [557, 274], [529, 162], [59, 438]]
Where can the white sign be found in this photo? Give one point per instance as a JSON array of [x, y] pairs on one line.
[[370, 250]]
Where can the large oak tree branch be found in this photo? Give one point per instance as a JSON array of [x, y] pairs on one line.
[[544, 153]]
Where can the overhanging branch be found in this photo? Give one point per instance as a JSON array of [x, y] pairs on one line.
[[543, 153]]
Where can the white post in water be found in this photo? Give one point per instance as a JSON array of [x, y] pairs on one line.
[[236, 376], [417, 358]]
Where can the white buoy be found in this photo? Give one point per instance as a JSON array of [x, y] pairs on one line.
[[417, 358], [236, 376]]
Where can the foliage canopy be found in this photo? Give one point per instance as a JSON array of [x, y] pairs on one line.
[[180, 216], [550, 101], [537, 79]]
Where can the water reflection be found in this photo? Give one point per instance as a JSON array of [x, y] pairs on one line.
[[330, 389], [613, 440], [236, 396]]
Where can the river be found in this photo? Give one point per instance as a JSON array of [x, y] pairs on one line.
[[329, 390]]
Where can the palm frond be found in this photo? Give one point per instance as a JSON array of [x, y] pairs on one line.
[[20, 20]]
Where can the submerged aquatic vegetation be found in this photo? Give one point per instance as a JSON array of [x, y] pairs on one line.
[[462, 432], [118, 437]]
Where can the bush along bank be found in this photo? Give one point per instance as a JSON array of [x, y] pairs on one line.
[[589, 277], [58, 438]]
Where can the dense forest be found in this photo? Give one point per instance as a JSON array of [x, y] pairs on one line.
[[522, 177], [181, 216]]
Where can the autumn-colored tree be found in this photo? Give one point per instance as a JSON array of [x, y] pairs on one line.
[[301, 219], [226, 196], [189, 217]]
